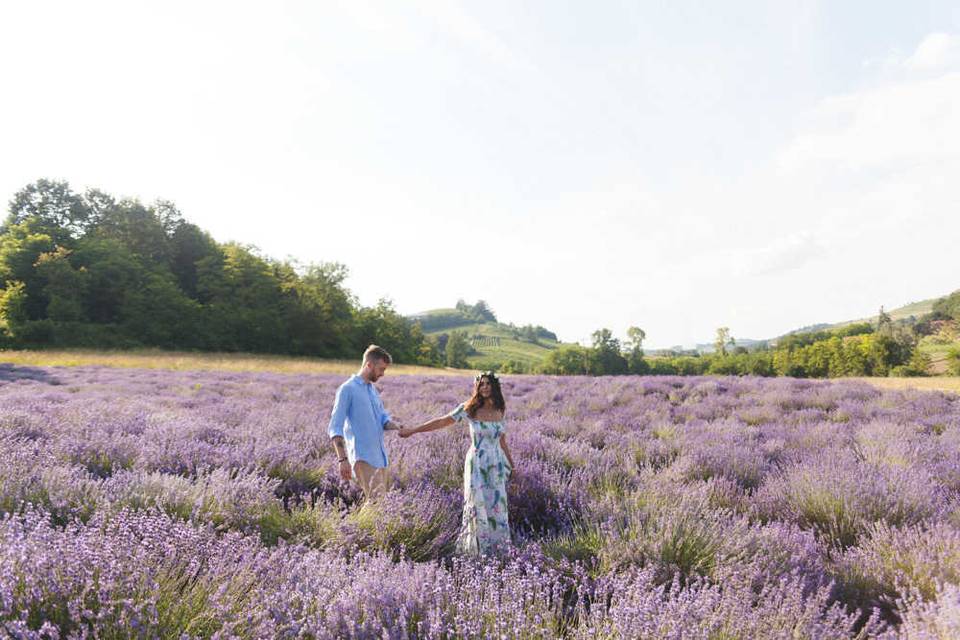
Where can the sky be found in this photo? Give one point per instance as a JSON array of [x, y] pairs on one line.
[[677, 166]]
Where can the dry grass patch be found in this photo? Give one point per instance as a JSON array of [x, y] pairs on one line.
[[188, 361], [936, 383]]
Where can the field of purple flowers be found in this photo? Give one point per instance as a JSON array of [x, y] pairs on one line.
[[146, 503]]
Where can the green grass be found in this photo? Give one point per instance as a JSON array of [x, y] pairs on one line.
[[915, 309], [509, 348]]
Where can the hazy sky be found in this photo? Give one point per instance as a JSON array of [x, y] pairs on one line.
[[677, 166]]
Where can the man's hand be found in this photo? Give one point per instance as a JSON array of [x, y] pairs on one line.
[[346, 472], [406, 432]]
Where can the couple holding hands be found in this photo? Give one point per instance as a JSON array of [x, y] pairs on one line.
[[358, 423]]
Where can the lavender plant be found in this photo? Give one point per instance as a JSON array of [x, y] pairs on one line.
[[203, 504]]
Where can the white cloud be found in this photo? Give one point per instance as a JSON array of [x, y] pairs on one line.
[[783, 254], [894, 126], [936, 51]]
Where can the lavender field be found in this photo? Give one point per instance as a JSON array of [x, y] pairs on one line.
[[148, 503]]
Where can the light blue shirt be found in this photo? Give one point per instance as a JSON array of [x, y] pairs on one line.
[[358, 416]]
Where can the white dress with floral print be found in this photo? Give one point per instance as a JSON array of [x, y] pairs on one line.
[[485, 471]]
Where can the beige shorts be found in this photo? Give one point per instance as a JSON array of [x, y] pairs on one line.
[[372, 481]]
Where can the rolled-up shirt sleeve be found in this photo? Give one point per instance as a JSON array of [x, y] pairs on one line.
[[384, 415], [339, 414]]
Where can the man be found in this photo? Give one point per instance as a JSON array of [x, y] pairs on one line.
[[358, 422]]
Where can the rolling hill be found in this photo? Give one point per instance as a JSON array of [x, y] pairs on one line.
[[494, 343], [914, 309]]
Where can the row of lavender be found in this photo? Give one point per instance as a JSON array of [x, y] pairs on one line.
[[164, 503]]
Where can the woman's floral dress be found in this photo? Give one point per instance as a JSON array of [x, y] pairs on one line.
[[485, 471]]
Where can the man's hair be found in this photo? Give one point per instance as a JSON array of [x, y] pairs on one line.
[[375, 353]]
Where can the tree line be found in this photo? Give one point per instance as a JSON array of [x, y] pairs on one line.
[[91, 270], [863, 349]]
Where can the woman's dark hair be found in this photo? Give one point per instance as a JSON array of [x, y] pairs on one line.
[[476, 400]]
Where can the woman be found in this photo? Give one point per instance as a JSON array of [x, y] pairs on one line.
[[488, 465]]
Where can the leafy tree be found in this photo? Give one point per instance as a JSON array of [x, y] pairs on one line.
[[635, 362], [948, 306], [457, 350], [20, 248], [157, 313], [722, 340], [13, 308], [52, 207], [482, 312], [567, 360], [918, 365], [605, 358], [884, 322], [189, 245], [319, 310], [243, 300], [140, 229], [113, 272], [635, 338], [382, 325], [64, 287]]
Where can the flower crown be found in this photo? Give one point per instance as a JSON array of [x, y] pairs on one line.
[[487, 374]]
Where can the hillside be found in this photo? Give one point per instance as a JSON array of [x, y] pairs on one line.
[[936, 347], [914, 309], [494, 343]]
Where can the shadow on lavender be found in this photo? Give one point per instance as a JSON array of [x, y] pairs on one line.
[[14, 373]]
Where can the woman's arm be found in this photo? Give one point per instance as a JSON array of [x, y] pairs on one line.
[[506, 450], [432, 425]]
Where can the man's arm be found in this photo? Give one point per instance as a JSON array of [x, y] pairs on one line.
[[337, 419], [338, 416], [340, 446]]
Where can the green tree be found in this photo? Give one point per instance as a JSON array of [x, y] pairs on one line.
[[64, 287], [139, 228], [605, 358], [52, 207], [567, 360], [320, 311], [243, 301], [189, 245], [457, 350], [635, 361], [884, 323], [112, 273], [157, 313], [13, 308], [948, 307], [382, 325], [722, 341], [20, 248]]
